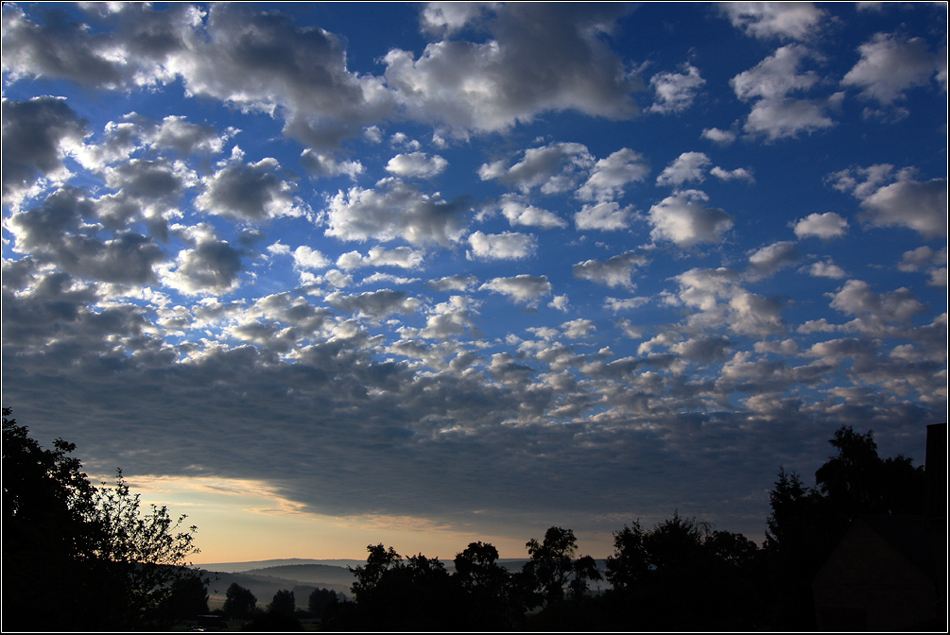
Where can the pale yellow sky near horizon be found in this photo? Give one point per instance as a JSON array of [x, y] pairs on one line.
[[242, 520]]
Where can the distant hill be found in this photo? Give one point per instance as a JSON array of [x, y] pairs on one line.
[[302, 579], [236, 567], [265, 577]]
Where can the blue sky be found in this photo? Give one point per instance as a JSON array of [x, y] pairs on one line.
[[321, 275]]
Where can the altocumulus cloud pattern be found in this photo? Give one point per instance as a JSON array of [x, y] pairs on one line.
[[492, 266]]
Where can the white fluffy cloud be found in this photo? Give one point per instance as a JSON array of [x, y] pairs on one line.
[[416, 164], [769, 259], [609, 176], [403, 257], [553, 168], [675, 92], [781, 118], [857, 298], [394, 210], [825, 226], [919, 206], [896, 199], [603, 216], [776, 114], [506, 246], [522, 289], [890, 65], [614, 272], [684, 219], [688, 166], [796, 20], [519, 212], [724, 137]]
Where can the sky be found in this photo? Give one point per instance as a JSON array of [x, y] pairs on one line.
[[321, 276]]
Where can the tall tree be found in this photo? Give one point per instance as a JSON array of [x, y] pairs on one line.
[[283, 603], [319, 600], [553, 571], [806, 522], [239, 602], [114, 567]]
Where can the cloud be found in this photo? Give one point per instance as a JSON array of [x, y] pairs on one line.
[[890, 66], [826, 269], [416, 164], [769, 259], [777, 119], [394, 210], [724, 137], [210, 267], [609, 176], [307, 258], [703, 349], [536, 59], [404, 257], [577, 329], [250, 192], [520, 213], [506, 246], [522, 289], [136, 55], [764, 20], [889, 199], [824, 226], [614, 272], [624, 304], [553, 168], [675, 92], [325, 166], [56, 232], [688, 166], [775, 114], [603, 216], [777, 75], [857, 298], [918, 206], [739, 174], [375, 305], [453, 283], [683, 219], [36, 136]]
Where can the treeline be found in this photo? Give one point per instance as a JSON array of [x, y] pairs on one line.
[[679, 575], [83, 558], [77, 557]]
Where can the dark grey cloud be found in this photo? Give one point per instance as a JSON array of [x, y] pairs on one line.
[[538, 59], [34, 133], [252, 192], [56, 232]]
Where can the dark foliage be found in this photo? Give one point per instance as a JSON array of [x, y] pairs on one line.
[[111, 567], [239, 602], [807, 522], [283, 602], [319, 600]]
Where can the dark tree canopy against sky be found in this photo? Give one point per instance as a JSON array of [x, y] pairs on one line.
[[329, 275]]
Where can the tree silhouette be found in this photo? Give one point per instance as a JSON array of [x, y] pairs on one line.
[[681, 575], [491, 599], [552, 570], [239, 602], [806, 522], [112, 567], [319, 600], [283, 603]]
